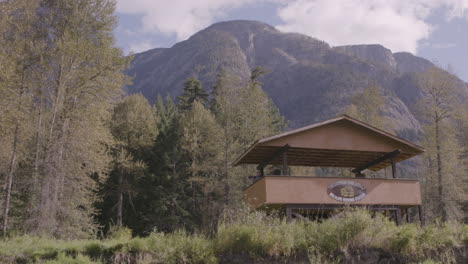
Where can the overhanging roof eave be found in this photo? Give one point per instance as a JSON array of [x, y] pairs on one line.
[[413, 148]]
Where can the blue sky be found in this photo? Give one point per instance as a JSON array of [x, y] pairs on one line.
[[433, 29]]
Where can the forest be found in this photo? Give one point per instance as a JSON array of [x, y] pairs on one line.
[[80, 159]]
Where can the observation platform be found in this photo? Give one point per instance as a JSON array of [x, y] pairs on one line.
[[342, 142], [300, 190]]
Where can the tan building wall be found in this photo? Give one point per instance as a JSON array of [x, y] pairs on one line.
[[277, 190]]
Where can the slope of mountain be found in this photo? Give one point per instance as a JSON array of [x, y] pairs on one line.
[[308, 80]]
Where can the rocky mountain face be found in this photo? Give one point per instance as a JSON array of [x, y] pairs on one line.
[[308, 80]]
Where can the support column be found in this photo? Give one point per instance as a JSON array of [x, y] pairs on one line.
[[422, 219], [394, 172], [288, 213], [285, 163], [398, 216]]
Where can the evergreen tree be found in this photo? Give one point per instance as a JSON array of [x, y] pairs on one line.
[[133, 126], [200, 142], [244, 114], [193, 91], [167, 202]]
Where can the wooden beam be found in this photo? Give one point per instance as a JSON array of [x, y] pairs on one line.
[[385, 157], [276, 155], [285, 163], [394, 172]]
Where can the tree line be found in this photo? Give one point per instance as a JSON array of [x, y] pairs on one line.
[[443, 168], [78, 157]]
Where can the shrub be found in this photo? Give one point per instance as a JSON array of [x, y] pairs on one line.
[[353, 228], [414, 240], [255, 234], [65, 259], [260, 235], [119, 233], [180, 247]]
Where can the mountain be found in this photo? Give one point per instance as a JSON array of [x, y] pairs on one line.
[[308, 79]]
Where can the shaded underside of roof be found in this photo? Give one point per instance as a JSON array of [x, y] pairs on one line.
[[340, 142], [320, 157]]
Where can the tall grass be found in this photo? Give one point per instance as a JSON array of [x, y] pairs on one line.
[[256, 235]]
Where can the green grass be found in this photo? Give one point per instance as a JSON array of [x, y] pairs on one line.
[[253, 234]]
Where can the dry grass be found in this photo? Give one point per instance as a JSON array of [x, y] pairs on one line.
[[254, 234]]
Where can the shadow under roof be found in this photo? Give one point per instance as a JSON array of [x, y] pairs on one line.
[[338, 142]]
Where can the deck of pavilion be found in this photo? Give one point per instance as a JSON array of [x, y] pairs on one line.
[[341, 142]]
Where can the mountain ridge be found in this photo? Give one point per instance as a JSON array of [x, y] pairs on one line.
[[308, 79]]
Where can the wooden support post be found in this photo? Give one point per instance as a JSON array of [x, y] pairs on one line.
[[407, 216], [288, 213], [276, 155], [285, 163], [394, 172], [422, 220], [398, 216], [389, 155]]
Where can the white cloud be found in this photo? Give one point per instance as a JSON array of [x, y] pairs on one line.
[[137, 47], [180, 17], [443, 45], [396, 24]]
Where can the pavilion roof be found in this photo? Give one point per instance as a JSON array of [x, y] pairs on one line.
[[338, 142]]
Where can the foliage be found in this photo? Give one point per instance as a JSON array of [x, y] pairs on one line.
[[119, 233], [367, 106], [193, 91], [62, 76], [255, 234], [444, 166]]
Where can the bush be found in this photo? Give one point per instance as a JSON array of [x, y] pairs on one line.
[[180, 247], [255, 234], [414, 240], [65, 259], [119, 233]]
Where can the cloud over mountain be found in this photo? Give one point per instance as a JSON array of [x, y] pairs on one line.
[[398, 25]]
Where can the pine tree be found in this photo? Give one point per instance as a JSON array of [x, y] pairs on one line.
[[200, 142], [193, 91], [244, 113], [166, 200], [134, 129]]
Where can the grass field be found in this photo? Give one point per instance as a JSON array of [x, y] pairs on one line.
[[253, 234]]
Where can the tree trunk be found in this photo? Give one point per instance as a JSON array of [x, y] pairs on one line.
[[439, 172], [226, 168], [120, 201], [11, 170], [6, 206], [38, 144]]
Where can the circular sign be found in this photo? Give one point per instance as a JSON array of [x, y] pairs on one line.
[[347, 191]]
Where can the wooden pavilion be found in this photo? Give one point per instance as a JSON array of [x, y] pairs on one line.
[[340, 142]]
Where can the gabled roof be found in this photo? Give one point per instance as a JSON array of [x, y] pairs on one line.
[[338, 142]]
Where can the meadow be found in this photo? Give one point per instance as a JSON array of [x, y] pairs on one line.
[[253, 236]]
